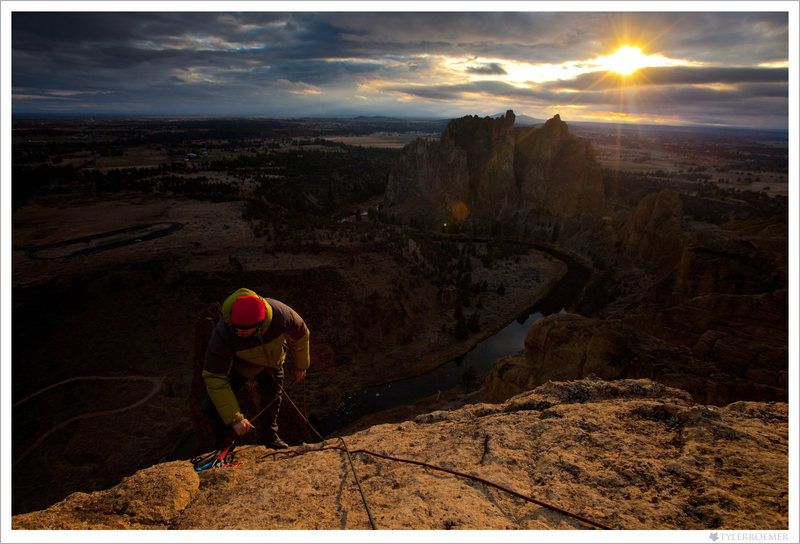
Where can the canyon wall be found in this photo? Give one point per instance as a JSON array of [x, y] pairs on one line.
[[487, 170], [702, 305]]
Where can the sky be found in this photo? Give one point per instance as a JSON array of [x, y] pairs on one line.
[[399, 59]]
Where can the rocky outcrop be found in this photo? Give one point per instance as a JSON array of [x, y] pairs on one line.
[[485, 169], [716, 293], [742, 336], [571, 346], [427, 177], [627, 454], [653, 231], [557, 172]]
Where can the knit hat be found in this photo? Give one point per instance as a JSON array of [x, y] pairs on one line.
[[247, 312]]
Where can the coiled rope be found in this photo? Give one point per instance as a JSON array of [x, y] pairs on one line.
[[431, 466]]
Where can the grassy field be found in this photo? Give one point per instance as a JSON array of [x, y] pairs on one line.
[[386, 140], [139, 157]]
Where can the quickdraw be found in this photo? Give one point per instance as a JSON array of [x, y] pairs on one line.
[[223, 457]]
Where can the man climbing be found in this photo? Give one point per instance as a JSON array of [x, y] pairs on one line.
[[248, 344]]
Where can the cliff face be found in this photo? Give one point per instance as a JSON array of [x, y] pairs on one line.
[[652, 231], [628, 454], [486, 169], [571, 346], [557, 172], [709, 316]]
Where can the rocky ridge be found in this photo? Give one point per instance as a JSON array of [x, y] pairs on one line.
[[700, 302], [626, 454], [486, 169], [697, 306]]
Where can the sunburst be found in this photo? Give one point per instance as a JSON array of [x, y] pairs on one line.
[[627, 59]]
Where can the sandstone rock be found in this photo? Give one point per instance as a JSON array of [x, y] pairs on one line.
[[627, 454], [718, 370], [745, 337], [569, 346], [652, 231], [557, 172], [717, 262], [488, 145], [151, 497], [497, 173], [428, 178]]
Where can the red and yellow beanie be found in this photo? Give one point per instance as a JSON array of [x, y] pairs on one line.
[[247, 312]]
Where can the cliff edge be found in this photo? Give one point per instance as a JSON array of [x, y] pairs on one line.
[[626, 454]]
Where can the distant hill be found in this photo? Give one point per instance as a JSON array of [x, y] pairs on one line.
[[522, 120]]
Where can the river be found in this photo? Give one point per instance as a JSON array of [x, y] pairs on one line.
[[508, 341]]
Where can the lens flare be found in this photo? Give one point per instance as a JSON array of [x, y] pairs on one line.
[[460, 210]]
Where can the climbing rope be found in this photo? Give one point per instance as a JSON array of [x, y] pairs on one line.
[[436, 467], [358, 483], [478, 479], [224, 457], [345, 449], [348, 452]]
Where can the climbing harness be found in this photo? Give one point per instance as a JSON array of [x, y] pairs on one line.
[[224, 457]]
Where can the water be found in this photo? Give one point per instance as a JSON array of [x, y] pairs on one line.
[[382, 397], [508, 341]]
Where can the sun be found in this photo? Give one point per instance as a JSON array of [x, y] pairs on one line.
[[626, 60]]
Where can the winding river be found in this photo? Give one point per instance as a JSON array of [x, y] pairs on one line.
[[508, 341]]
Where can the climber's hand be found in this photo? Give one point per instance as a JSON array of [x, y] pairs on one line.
[[299, 375], [242, 427]]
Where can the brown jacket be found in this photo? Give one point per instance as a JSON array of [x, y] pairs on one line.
[[249, 356]]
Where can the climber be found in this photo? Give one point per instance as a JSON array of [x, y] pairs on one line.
[[247, 347]]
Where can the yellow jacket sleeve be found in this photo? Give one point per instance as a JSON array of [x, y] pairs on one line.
[[222, 395], [300, 351]]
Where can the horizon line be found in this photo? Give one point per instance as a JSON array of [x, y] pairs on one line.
[[122, 115]]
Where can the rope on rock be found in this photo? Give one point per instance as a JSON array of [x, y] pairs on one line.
[[481, 480], [224, 457], [345, 449], [435, 467], [358, 483]]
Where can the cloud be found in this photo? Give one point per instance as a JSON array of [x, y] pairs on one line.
[[487, 69], [296, 87], [478, 90], [148, 61], [672, 75]]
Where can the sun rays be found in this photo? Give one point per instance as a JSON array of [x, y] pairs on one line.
[[625, 60], [628, 59]]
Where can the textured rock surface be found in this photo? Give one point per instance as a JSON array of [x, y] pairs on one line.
[[557, 172], [571, 346], [495, 172], [629, 454], [712, 301], [652, 231]]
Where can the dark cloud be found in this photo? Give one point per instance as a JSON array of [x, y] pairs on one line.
[[673, 75], [487, 69], [487, 89], [139, 62]]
